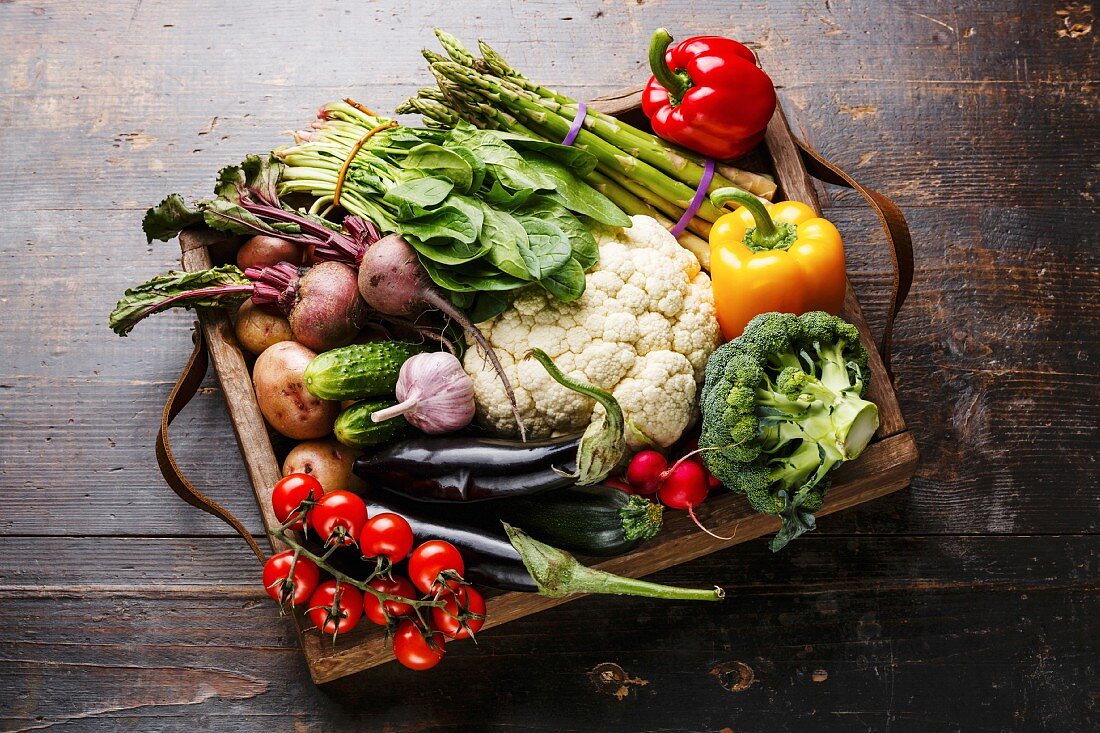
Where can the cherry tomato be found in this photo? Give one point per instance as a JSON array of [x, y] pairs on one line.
[[289, 493], [411, 647], [335, 610], [453, 618], [387, 535], [339, 518], [432, 558], [278, 582], [397, 586]]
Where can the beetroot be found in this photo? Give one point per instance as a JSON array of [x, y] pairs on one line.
[[322, 303], [393, 282]]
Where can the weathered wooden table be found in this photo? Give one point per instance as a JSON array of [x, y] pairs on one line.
[[966, 603]]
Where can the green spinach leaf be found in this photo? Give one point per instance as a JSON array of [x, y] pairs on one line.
[[578, 160], [547, 249], [470, 278], [508, 240], [414, 197], [576, 195], [488, 305], [566, 283], [447, 250], [446, 222], [438, 162], [501, 160], [585, 249]]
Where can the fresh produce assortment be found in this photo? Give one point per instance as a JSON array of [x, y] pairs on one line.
[[502, 337]]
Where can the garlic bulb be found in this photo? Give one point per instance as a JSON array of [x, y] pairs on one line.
[[434, 394]]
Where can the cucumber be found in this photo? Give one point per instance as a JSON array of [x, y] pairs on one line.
[[358, 371], [355, 429], [591, 520]]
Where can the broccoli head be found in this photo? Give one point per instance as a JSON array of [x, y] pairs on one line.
[[782, 406]]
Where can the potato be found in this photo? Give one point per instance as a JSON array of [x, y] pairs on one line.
[[264, 251], [283, 397], [258, 328], [328, 461]]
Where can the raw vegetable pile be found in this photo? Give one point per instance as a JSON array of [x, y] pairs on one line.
[[502, 337]]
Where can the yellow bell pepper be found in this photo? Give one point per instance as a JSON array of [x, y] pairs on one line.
[[772, 257]]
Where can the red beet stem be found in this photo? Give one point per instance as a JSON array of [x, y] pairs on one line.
[[348, 248], [275, 285], [200, 294]]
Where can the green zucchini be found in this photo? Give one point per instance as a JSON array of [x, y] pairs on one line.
[[358, 371], [591, 520], [355, 429]]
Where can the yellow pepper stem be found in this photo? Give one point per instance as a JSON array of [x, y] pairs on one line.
[[765, 235]]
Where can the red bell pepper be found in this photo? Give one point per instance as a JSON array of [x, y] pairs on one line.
[[707, 94]]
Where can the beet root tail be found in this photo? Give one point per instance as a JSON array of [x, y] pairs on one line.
[[438, 301]]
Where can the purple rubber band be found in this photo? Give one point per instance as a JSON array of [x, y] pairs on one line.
[[578, 123], [696, 200]]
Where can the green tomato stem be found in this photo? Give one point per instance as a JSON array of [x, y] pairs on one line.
[[280, 534]]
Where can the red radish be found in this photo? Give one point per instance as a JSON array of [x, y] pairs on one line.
[[645, 472], [394, 283], [685, 486]]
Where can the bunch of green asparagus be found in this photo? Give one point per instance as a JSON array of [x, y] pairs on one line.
[[640, 172]]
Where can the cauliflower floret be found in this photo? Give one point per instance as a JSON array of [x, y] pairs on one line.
[[643, 331], [658, 381]]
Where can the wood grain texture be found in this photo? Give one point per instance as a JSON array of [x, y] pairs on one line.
[[965, 603]]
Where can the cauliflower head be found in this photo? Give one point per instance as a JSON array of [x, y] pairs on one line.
[[643, 331]]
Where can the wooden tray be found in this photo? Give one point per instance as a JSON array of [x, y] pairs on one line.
[[885, 466]]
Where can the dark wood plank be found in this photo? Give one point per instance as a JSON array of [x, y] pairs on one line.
[[979, 117], [867, 637]]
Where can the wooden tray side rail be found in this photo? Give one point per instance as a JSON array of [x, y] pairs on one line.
[[887, 465]]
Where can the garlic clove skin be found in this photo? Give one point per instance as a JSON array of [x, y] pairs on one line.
[[434, 394]]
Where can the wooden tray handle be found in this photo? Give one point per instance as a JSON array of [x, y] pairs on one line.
[[893, 226], [186, 387]]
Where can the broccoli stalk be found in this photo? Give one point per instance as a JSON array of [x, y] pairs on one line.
[[782, 406]]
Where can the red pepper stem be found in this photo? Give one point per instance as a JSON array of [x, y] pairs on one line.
[[766, 234], [674, 83]]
